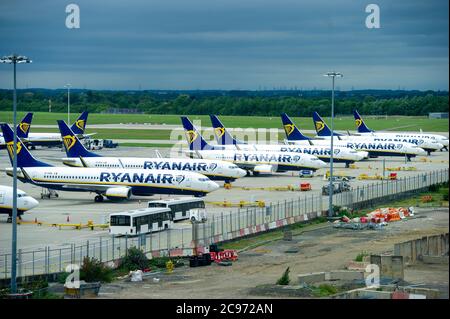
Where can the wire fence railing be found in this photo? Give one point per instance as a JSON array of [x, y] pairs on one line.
[[220, 227]]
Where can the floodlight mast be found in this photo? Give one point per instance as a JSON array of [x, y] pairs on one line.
[[333, 75], [14, 59]]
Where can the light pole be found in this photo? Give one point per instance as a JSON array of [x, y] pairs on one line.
[[333, 75], [14, 59], [68, 102]]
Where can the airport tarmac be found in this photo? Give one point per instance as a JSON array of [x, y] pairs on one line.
[[81, 208]]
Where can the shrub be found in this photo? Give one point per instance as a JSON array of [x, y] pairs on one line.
[[284, 279], [134, 260], [93, 270], [361, 256], [325, 290]]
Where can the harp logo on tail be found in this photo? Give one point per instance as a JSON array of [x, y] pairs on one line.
[[358, 122], [319, 126], [191, 136], [10, 146], [289, 128], [80, 124], [69, 141], [219, 131], [24, 127]]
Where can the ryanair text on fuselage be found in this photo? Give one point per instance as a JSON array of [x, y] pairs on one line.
[[140, 178], [180, 166]]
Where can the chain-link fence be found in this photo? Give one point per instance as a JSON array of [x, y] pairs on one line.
[[221, 227]]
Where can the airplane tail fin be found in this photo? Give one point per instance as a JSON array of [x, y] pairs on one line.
[[80, 124], [23, 128], [24, 157], [223, 137], [72, 144], [321, 127], [292, 132], [360, 125], [194, 138]]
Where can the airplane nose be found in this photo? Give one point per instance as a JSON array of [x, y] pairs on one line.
[[213, 186], [241, 173], [439, 145], [32, 203], [444, 142], [364, 154], [321, 164], [421, 151]]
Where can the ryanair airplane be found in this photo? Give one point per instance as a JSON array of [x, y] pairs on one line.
[[24, 201], [112, 183], [252, 161], [340, 154], [324, 132], [429, 142], [373, 148], [22, 129], [79, 156]]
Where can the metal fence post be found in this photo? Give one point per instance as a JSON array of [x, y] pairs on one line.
[[60, 260], [32, 262]]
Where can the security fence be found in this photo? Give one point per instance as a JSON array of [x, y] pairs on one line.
[[184, 238]]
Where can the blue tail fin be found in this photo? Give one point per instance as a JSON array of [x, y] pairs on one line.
[[80, 124], [221, 133], [23, 128], [72, 144], [321, 127], [360, 125], [194, 138], [292, 132], [24, 158]]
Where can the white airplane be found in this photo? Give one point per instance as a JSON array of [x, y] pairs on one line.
[[117, 183], [323, 152], [437, 141], [79, 156], [24, 201], [325, 133], [373, 148], [31, 140], [254, 161]]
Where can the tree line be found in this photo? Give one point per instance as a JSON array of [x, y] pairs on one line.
[[230, 103]]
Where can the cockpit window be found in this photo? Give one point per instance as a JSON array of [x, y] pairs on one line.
[[203, 179]]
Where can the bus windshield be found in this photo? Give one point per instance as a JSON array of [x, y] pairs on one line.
[[120, 220]]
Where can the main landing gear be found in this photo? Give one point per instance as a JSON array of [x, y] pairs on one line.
[[98, 198]]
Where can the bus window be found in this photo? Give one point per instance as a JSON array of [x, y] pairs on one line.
[[120, 221]]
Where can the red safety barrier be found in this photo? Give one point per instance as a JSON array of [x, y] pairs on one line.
[[228, 254]]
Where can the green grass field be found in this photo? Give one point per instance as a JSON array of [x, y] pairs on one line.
[[398, 123]]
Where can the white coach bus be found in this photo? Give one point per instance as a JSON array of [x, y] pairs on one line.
[[140, 221], [179, 207]]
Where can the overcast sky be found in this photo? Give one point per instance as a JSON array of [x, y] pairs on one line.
[[226, 44]]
